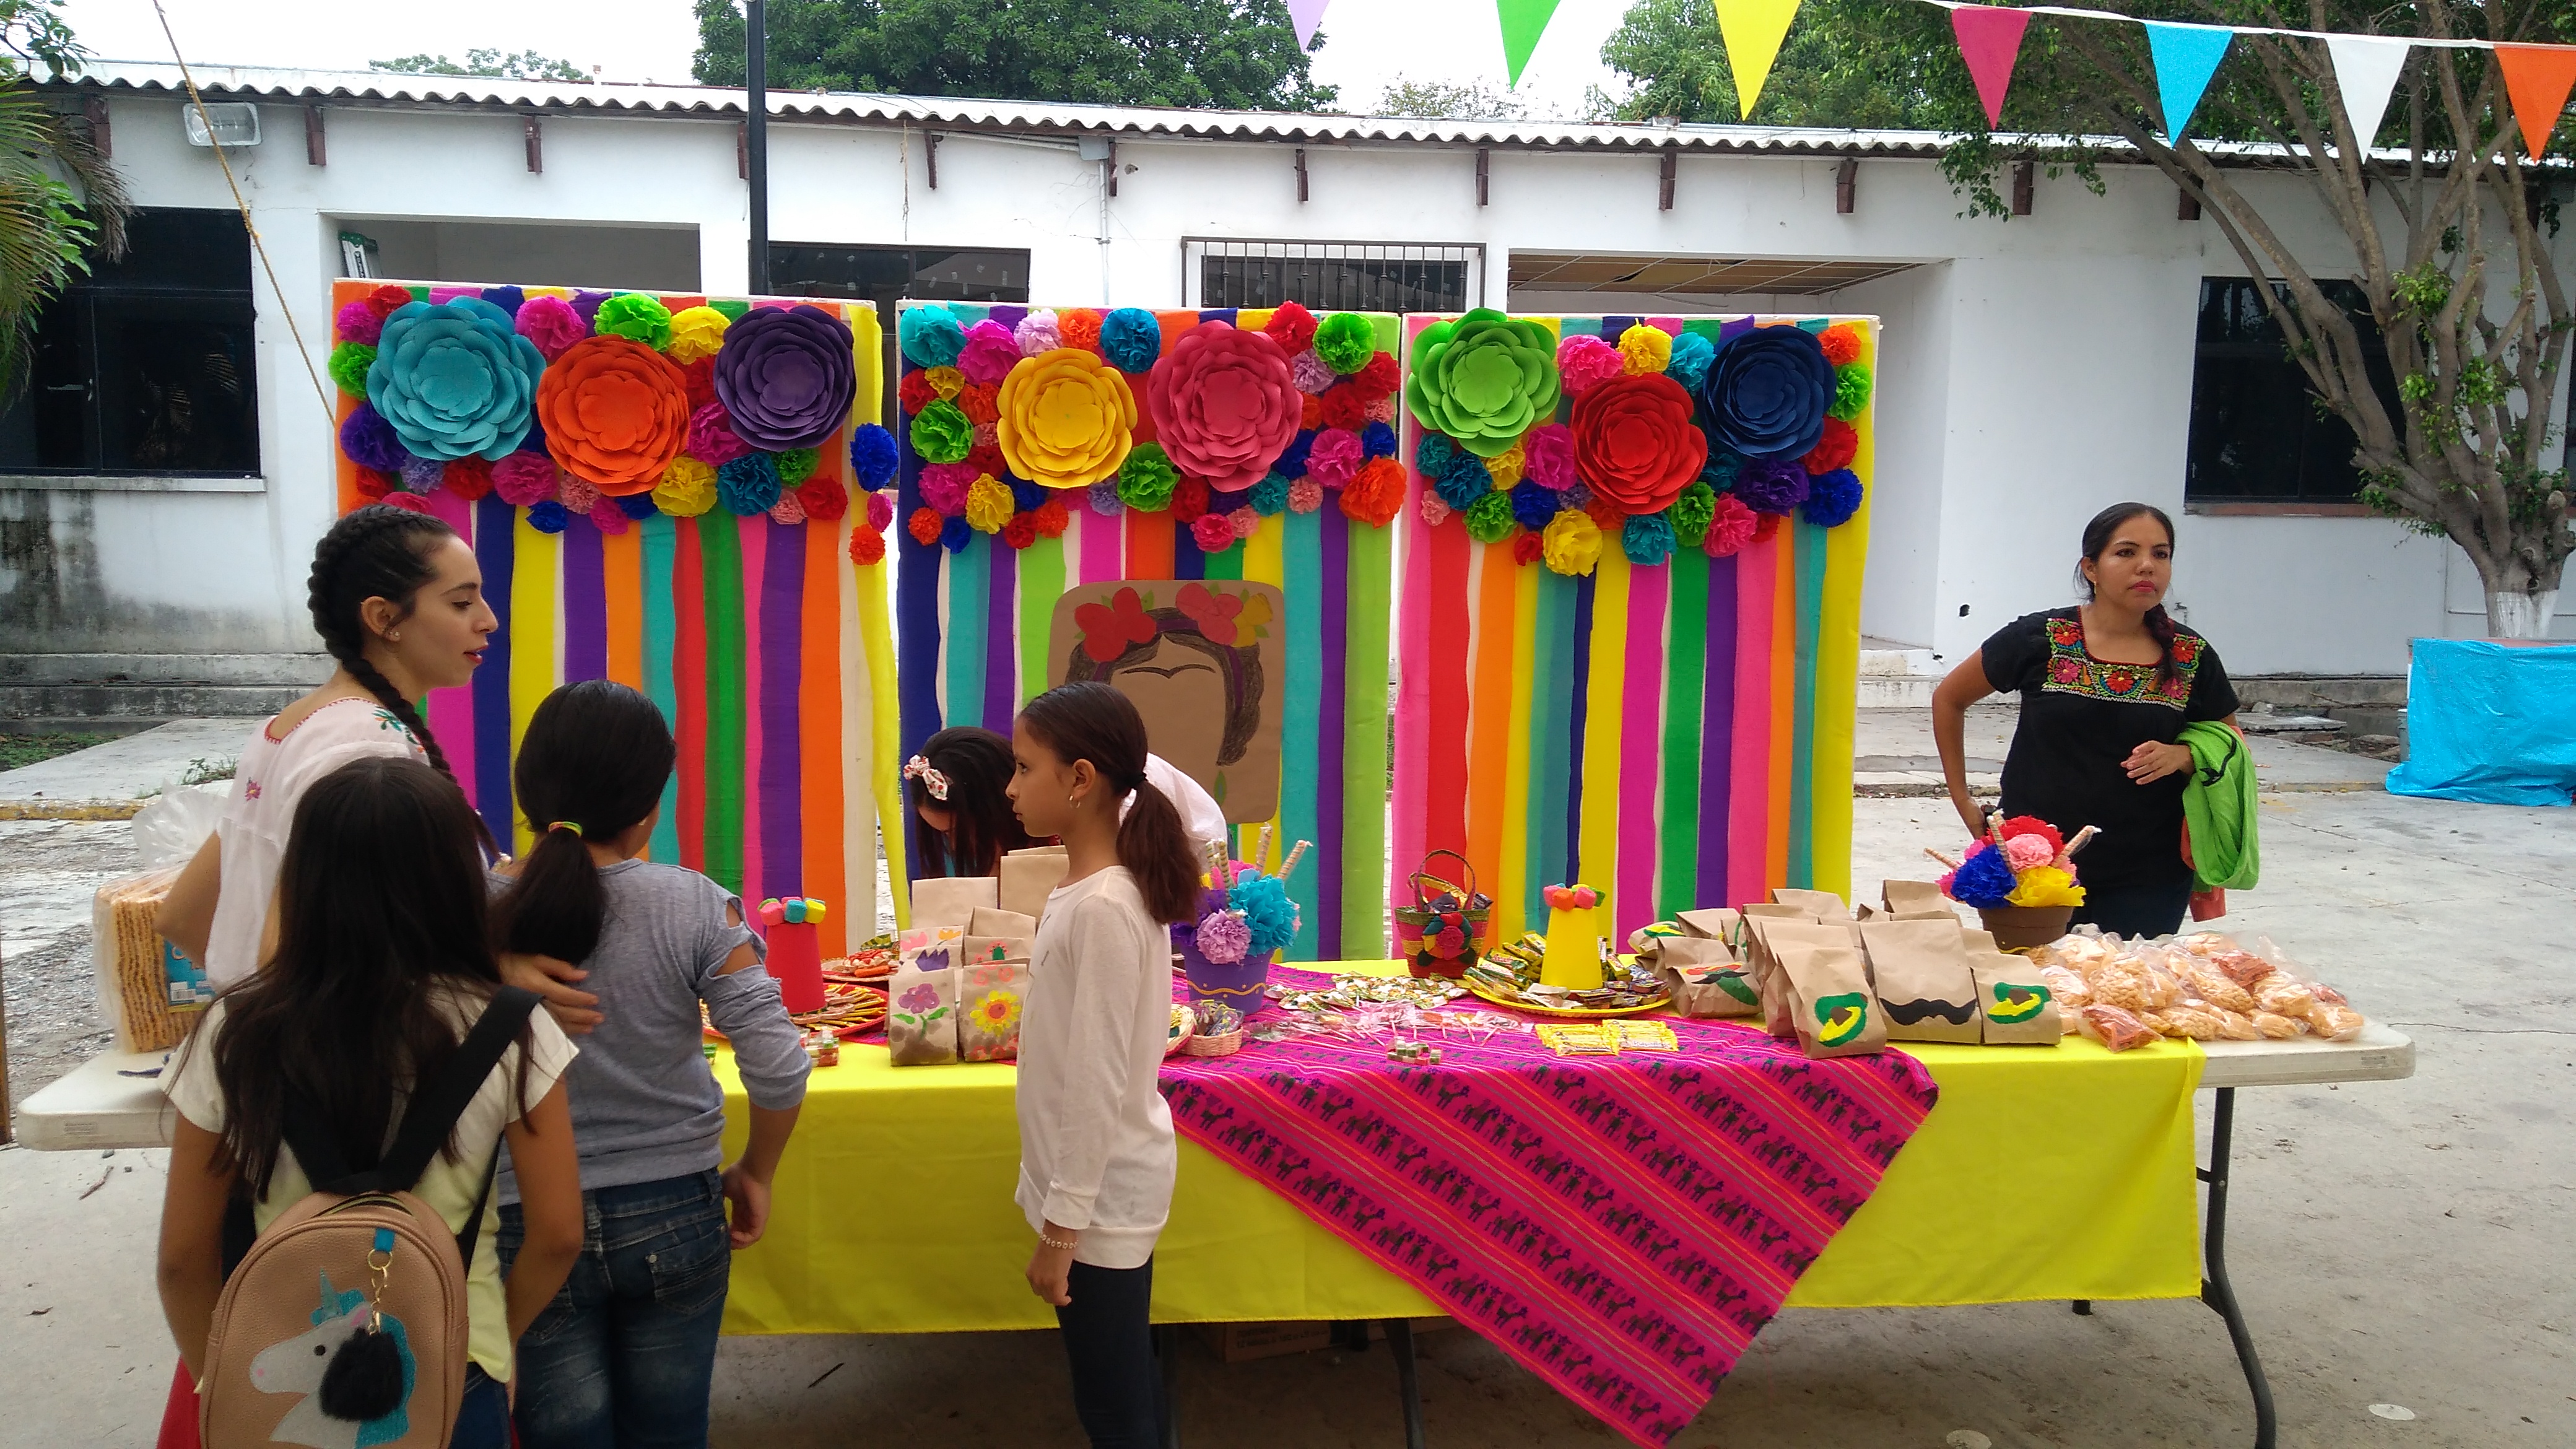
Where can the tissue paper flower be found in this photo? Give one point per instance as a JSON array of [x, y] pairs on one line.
[[795, 465], [867, 546], [1635, 443], [1534, 505], [638, 506], [1306, 496], [575, 494], [1835, 447], [1645, 347], [369, 440], [1130, 339], [525, 480], [2045, 886], [786, 376], [1983, 880], [989, 354], [607, 517], [1212, 533], [788, 511], [1334, 456], [1146, 479], [1311, 374], [1224, 404], [637, 317], [1692, 354], [1223, 937], [711, 436], [1267, 911], [1465, 481], [2023, 852], [748, 484], [1434, 512], [1851, 390], [1506, 466], [551, 325], [1766, 392], [1021, 531], [350, 361], [1052, 518], [1346, 341], [1245, 519], [614, 412], [1691, 514], [1270, 495], [944, 485], [1103, 498], [1483, 380], [546, 517], [1571, 543], [1832, 499], [1647, 539], [358, 322], [1375, 493], [1547, 456], [469, 477], [872, 455], [1189, 499], [988, 505], [1343, 407], [419, 475], [1036, 333], [455, 379], [1528, 548], [1292, 327], [697, 333], [1841, 343], [1584, 361], [941, 434], [687, 488], [1489, 518], [929, 335], [880, 509], [823, 499], [1771, 485], [1378, 378], [925, 526], [1066, 418]]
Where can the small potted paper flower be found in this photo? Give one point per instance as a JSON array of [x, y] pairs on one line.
[[2020, 879]]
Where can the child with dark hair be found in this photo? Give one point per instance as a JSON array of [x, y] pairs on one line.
[[625, 1353], [381, 969], [1097, 1155], [961, 812]]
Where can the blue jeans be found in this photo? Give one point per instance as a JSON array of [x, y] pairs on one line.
[[624, 1356], [483, 1415]]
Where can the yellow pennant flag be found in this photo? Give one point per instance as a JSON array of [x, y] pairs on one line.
[[1753, 30]]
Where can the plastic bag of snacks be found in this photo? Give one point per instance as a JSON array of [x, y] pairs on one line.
[[2279, 999], [2113, 1027]]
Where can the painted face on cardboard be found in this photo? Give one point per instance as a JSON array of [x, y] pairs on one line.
[[1181, 686], [2135, 568], [1047, 793], [434, 639]]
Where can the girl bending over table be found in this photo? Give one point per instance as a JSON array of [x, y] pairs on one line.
[[961, 810], [1097, 1155]]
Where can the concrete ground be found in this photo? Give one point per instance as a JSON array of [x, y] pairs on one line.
[[2401, 1248]]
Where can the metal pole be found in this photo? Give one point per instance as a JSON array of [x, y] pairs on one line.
[[756, 127]]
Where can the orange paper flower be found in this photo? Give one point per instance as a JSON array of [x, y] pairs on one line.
[[615, 413], [1066, 418], [1375, 492], [1841, 344]]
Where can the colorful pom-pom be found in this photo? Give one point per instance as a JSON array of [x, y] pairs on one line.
[[1269, 497], [1852, 383], [1346, 341], [1647, 539], [1730, 528], [359, 323], [930, 335], [712, 439], [1771, 485], [1212, 533], [1832, 499], [1189, 500], [548, 517], [1021, 531], [524, 479], [1547, 456], [469, 477], [873, 458], [1691, 514], [414, 503], [1984, 880], [1533, 505], [1841, 343], [1079, 327], [1306, 496], [867, 546], [1377, 440], [1507, 466], [941, 433], [989, 354], [1434, 512], [1292, 459], [915, 393], [1146, 479], [576, 493], [1025, 495], [955, 534], [1130, 339], [795, 465], [1839, 444], [880, 510], [1036, 333], [1051, 517], [1571, 543], [635, 316], [1527, 548], [370, 441], [1464, 481], [943, 487], [1334, 457], [551, 324], [1689, 362], [823, 499], [1268, 913], [989, 504], [638, 506], [1379, 379], [1645, 347], [924, 526], [419, 475], [349, 364], [1489, 518], [1292, 327], [697, 333], [1310, 374], [1104, 499], [1583, 360], [748, 485], [607, 517], [1376, 492]]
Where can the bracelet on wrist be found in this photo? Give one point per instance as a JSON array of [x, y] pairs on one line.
[[1062, 1245]]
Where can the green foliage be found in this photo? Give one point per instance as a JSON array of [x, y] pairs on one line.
[[35, 34], [1231, 54], [485, 61], [1447, 100], [60, 200]]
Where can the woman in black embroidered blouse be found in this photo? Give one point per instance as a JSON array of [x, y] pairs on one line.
[[2105, 689]]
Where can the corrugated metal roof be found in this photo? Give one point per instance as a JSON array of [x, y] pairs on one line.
[[390, 90]]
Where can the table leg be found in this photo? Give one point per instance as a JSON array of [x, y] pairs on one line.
[[2083, 1307], [1167, 1347], [1399, 1340], [2215, 1289]]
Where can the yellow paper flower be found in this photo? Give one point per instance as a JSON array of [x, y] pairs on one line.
[[687, 489], [1507, 467], [2046, 885], [696, 332], [988, 504], [1572, 542], [1066, 418], [1646, 348], [945, 381]]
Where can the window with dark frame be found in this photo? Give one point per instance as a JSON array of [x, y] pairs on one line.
[[883, 275], [2258, 431], [1344, 276], [146, 365]]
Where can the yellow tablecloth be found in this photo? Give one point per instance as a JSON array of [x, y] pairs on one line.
[[2043, 1173]]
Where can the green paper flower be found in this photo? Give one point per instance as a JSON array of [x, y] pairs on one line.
[[941, 434], [634, 315], [795, 465], [1489, 519], [1147, 478], [349, 364], [1692, 513], [1345, 342], [1852, 384], [1484, 380]]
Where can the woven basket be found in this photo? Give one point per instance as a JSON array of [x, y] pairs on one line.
[[1420, 926], [1224, 1044]]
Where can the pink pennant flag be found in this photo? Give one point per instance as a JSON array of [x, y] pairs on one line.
[[1306, 15], [1990, 41]]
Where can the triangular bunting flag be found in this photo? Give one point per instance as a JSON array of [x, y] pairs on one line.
[[2186, 57], [1305, 15], [2538, 78], [2366, 70], [1752, 31], [1524, 21], [1990, 41]]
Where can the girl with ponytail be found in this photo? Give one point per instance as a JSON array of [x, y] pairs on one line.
[[652, 942], [1097, 1155]]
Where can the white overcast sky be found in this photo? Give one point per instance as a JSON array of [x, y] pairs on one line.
[[1366, 42]]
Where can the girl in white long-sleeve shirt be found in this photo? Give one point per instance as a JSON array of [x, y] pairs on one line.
[[1096, 1149]]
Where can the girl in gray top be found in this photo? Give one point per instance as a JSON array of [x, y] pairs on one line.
[[626, 1351]]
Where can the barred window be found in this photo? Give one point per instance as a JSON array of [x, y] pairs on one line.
[[1343, 276]]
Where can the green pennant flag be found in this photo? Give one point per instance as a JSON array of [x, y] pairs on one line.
[[1524, 21]]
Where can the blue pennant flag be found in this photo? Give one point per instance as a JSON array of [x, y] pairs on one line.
[[2186, 57]]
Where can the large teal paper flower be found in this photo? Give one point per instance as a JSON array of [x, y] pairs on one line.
[[1484, 380], [456, 379]]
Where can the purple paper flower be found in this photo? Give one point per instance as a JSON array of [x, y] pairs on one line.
[[370, 442], [1771, 485], [786, 377]]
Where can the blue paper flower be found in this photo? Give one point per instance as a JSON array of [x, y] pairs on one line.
[[955, 534], [1766, 393], [455, 379], [1377, 440], [508, 299], [1292, 460], [1270, 496], [1647, 539], [1720, 469], [637, 506], [1692, 354], [1131, 339], [930, 336], [1465, 480], [1026, 497], [748, 485], [548, 517], [1431, 454], [1534, 504], [1832, 498], [1267, 910], [872, 455], [1984, 880]]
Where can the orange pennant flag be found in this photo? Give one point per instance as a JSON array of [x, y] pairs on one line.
[[2537, 78]]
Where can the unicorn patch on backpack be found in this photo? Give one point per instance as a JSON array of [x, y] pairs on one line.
[[354, 1368]]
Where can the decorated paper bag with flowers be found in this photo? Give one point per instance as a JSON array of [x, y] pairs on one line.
[[921, 1011], [989, 999], [997, 935], [1029, 877]]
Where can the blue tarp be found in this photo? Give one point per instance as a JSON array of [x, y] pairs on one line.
[[2494, 724]]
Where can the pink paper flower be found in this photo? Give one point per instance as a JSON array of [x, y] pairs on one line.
[[1582, 360], [788, 511], [1434, 512], [359, 322], [881, 509], [1336, 455], [1246, 521], [607, 517], [1036, 333], [989, 352], [1305, 496], [1224, 404], [1731, 529], [552, 324], [524, 480], [1382, 410], [2022, 852], [577, 493], [1547, 456], [1311, 372], [944, 485], [1212, 532], [711, 436]]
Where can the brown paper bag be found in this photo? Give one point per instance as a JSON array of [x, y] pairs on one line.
[[997, 935], [1823, 905], [1829, 999], [2017, 1009], [1715, 922], [990, 996], [1706, 979], [950, 900], [921, 1011], [1912, 895], [1765, 937], [1029, 876], [1921, 975], [1774, 911]]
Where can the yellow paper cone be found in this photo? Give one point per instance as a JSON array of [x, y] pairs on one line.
[[1753, 30]]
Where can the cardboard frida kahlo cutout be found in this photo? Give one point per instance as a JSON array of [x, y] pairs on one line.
[[1202, 661]]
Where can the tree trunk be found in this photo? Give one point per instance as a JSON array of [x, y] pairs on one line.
[[2513, 615]]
